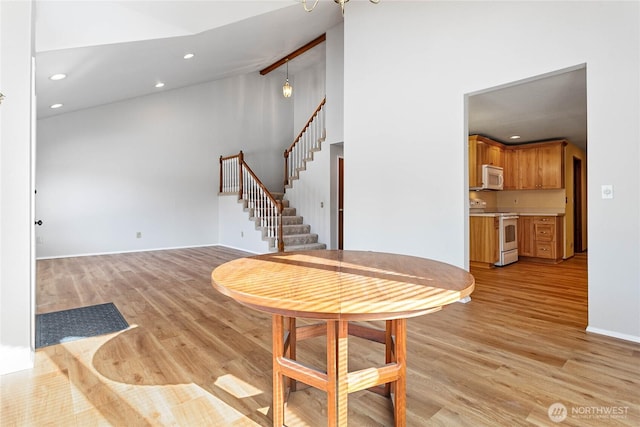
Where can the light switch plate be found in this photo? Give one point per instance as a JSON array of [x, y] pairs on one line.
[[607, 191]]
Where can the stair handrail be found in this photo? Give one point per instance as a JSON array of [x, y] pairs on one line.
[[237, 177], [299, 156]]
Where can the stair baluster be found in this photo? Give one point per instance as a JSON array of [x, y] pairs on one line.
[[302, 148]]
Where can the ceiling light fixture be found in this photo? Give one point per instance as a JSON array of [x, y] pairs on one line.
[[58, 76], [54, 106], [514, 137], [159, 84], [287, 89], [189, 56], [340, 2]]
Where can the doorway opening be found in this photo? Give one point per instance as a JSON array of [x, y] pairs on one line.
[[547, 107], [551, 106]]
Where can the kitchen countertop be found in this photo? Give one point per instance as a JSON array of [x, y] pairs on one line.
[[541, 214], [517, 213]]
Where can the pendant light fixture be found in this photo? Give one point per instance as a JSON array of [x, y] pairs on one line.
[[287, 89], [340, 2]]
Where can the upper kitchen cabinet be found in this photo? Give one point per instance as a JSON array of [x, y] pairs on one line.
[[483, 151], [511, 168], [536, 166], [541, 166]]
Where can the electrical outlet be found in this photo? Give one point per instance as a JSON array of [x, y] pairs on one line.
[[139, 235]]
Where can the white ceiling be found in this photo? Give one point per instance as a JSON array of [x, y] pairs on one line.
[[117, 50], [544, 107]]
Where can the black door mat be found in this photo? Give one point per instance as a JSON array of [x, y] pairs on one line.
[[70, 325]]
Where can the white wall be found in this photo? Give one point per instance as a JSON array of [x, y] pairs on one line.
[[335, 120], [16, 219], [335, 84], [150, 165], [408, 66], [234, 228], [308, 92]]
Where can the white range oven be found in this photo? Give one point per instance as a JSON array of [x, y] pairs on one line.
[[508, 235]]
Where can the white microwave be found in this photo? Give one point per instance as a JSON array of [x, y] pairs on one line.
[[492, 178]]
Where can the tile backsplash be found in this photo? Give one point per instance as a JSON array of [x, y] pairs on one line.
[[532, 200], [522, 200]]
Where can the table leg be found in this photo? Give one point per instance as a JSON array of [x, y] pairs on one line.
[[332, 388], [277, 333], [342, 349], [337, 372], [400, 407], [388, 351], [291, 353]]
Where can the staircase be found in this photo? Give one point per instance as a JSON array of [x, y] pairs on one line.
[[296, 235], [279, 223]]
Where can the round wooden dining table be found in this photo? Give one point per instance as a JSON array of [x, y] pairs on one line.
[[338, 288]]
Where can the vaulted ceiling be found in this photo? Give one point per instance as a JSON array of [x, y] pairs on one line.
[[117, 50]]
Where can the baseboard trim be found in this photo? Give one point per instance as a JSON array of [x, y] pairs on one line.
[[15, 359], [128, 252], [241, 249], [613, 334]]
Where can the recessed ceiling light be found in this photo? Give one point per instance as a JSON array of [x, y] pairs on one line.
[[159, 84], [54, 106], [514, 137], [59, 76], [188, 56]]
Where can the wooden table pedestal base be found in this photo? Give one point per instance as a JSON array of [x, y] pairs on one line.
[[388, 380]]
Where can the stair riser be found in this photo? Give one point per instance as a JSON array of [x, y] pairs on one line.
[[287, 221], [300, 239], [289, 212], [291, 220], [296, 229]]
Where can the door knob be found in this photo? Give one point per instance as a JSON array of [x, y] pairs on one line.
[[38, 222]]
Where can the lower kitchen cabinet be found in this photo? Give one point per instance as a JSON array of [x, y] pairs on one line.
[[540, 237], [484, 245], [526, 236]]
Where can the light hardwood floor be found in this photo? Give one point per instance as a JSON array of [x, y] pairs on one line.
[[193, 357]]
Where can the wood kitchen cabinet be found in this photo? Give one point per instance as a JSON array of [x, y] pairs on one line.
[[483, 151], [541, 166], [537, 166], [526, 236], [490, 154], [484, 244], [540, 237], [511, 169]]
